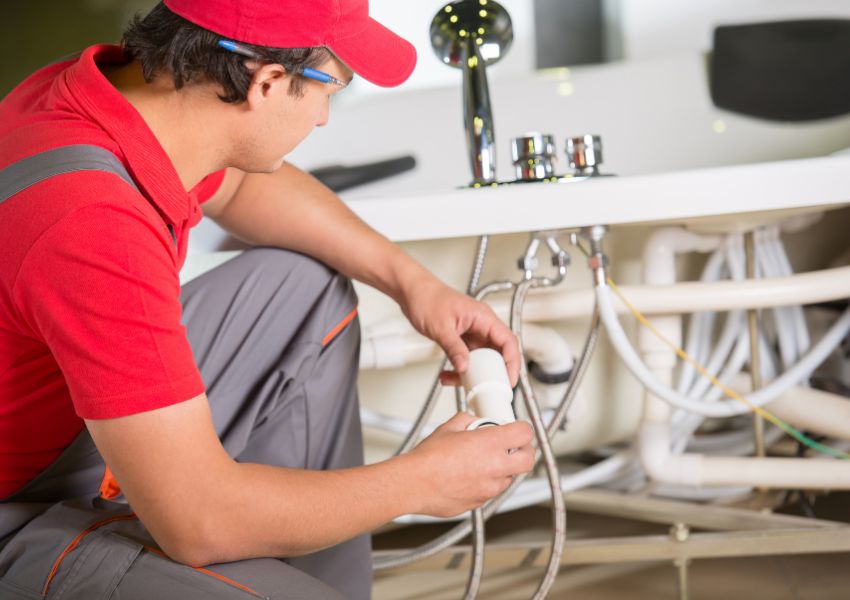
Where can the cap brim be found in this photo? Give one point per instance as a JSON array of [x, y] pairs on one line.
[[377, 54]]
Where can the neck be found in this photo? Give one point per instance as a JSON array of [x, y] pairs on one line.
[[179, 119]]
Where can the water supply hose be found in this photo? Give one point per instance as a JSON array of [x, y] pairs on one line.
[[559, 512]]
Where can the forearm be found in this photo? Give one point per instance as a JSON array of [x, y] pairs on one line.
[[291, 209], [260, 511], [203, 507]]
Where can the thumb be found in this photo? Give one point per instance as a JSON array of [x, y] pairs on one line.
[[456, 351]]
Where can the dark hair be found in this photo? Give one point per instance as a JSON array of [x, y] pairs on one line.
[[165, 43]]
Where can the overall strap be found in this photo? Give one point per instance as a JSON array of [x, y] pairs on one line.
[[66, 159]]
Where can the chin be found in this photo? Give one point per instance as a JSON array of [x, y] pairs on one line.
[[266, 167], [274, 166]]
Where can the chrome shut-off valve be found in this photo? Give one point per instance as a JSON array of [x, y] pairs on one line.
[[584, 154], [534, 156]]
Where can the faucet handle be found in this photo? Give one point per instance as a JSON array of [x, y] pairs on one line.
[[534, 156], [584, 154]]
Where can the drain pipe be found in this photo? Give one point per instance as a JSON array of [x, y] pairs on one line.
[[659, 268]]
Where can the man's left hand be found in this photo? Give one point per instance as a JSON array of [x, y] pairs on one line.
[[459, 324]]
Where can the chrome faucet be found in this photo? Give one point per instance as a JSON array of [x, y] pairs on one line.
[[469, 35]]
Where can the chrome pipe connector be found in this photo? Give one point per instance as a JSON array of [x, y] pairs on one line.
[[528, 262], [560, 257], [469, 35], [584, 154], [534, 156], [597, 261]]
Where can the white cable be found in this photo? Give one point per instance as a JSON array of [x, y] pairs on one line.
[[701, 325], [726, 408], [783, 316], [803, 336]]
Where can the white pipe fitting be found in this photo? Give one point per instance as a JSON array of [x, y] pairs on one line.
[[488, 388], [699, 470]]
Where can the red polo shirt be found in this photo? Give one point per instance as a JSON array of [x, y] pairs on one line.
[[89, 290]]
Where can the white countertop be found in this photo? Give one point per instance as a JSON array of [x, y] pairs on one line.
[[731, 191]]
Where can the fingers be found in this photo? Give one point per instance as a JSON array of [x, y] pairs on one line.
[[506, 343], [459, 422], [456, 351], [487, 330], [450, 378], [521, 461], [515, 435]]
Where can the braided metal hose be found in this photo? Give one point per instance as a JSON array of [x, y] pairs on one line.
[[559, 511]]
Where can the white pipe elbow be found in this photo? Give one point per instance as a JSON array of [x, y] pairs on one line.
[[547, 348], [658, 462]]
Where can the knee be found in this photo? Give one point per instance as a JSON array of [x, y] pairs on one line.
[[281, 272], [314, 278]]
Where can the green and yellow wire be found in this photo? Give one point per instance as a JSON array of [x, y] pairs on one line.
[[768, 416]]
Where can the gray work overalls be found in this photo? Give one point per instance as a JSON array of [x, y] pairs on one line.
[[276, 340]]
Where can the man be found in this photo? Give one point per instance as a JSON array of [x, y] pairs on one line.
[[234, 434]]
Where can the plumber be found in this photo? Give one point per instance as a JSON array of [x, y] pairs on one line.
[[204, 442]]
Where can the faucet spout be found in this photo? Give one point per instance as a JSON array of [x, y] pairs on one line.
[[478, 116], [469, 35]]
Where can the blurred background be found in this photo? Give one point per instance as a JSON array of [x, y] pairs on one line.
[[547, 33]]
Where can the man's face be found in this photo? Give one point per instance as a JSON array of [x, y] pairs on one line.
[[283, 120]]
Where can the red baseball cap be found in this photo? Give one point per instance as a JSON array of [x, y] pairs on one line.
[[343, 26]]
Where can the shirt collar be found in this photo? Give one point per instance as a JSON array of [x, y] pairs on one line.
[[144, 157]]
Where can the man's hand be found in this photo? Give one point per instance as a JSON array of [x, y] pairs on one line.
[[460, 470], [458, 324]]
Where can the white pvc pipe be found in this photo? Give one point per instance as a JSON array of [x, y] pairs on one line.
[[809, 409], [396, 350], [547, 348], [679, 298], [690, 297], [698, 470]]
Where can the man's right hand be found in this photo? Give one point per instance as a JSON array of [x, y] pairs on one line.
[[459, 470], [203, 507]]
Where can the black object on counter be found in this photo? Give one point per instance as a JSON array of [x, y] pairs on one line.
[[339, 177]]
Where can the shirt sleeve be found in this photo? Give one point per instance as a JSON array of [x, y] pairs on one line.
[[208, 186], [101, 289]]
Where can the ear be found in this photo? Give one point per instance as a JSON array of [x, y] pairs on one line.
[[266, 82]]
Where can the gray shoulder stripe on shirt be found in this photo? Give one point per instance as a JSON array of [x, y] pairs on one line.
[[66, 159]]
